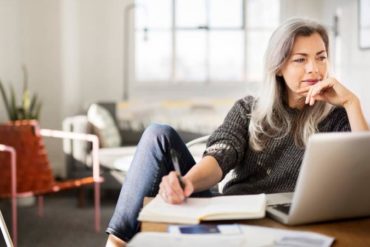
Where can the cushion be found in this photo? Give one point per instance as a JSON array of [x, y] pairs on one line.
[[117, 158], [104, 126], [76, 148]]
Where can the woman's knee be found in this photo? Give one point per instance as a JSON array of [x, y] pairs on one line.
[[155, 131]]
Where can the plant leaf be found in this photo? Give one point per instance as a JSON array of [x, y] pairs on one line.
[[21, 114], [33, 105], [25, 78], [13, 105], [37, 111], [5, 99], [26, 102]]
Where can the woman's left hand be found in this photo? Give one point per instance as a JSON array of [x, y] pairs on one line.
[[329, 90], [332, 91]]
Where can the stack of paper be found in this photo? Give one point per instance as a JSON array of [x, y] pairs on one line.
[[251, 236]]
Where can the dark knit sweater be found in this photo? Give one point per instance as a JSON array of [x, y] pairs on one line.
[[276, 168]]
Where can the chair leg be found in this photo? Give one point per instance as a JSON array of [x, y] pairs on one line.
[[81, 197], [40, 206], [14, 220], [97, 205]]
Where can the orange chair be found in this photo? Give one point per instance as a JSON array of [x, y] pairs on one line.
[[33, 172]]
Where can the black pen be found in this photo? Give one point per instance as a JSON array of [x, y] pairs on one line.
[[176, 165]]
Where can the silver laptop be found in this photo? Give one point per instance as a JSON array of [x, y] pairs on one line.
[[333, 183], [5, 232]]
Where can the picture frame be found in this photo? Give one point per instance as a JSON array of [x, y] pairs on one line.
[[364, 24]]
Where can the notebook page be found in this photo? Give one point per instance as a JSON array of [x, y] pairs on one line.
[[247, 204], [158, 209]]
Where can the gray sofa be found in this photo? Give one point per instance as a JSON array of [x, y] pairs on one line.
[[191, 120]]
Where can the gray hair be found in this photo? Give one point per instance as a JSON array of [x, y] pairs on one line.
[[269, 117]]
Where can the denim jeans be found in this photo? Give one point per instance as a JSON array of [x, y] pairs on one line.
[[151, 162]]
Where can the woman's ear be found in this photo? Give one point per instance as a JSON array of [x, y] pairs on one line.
[[279, 73]]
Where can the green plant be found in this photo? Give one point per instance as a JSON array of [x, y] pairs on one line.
[[29, 107]]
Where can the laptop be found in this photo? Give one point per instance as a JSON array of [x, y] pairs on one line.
[[333, 182], [5, 232]]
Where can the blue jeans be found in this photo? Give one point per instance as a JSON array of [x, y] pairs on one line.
[[151, 162]]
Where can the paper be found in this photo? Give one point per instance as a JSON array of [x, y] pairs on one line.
[[250, 236], [266, 236], [148, 239]]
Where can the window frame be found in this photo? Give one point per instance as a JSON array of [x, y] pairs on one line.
[[173, 80], [169, 88]]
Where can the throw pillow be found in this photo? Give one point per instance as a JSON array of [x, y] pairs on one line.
[[104, 126]]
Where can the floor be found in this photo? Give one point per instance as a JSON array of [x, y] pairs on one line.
[[63, 223]]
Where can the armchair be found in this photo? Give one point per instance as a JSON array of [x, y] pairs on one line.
[[30, 174], [196, 148]]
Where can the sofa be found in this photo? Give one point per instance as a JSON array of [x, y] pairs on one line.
[[126, 122]]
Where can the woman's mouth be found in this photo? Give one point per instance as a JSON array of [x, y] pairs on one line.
[[311, 81]]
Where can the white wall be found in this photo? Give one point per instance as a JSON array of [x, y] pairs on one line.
[[10, 56], [40, 28], [301, 8], [355, 63], [70, 58], [101, 49]]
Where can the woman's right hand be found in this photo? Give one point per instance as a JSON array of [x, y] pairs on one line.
[[170, 189]]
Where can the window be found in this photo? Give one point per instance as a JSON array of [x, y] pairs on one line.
[[202, 41], [364, 24]]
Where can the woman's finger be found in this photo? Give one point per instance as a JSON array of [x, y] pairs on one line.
[[317, 89], [175, 185], [189, 188], [168, 193], [308, 97], [162, 189]]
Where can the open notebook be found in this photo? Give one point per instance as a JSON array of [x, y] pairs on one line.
[[194, 210], [5, 232]]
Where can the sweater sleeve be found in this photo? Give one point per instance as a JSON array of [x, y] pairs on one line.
[[228, 142], [336, 121], [342, 121]]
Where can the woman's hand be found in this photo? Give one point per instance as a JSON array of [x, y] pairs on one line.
[[329, 90], [332, 91], [170, 189]]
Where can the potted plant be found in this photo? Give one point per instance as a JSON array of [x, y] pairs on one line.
[[29, 107]]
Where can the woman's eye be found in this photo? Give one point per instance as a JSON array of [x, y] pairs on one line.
[[299, 60], [322, 58]]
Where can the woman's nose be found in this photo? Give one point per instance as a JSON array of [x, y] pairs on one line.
[[311, 67]]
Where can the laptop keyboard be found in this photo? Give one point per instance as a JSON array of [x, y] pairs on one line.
[[282, 208]]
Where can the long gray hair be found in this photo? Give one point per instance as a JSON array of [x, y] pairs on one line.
[[270, 117]]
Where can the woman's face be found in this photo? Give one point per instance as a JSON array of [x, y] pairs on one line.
[[306, 65]]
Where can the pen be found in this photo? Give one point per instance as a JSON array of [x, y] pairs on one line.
[[176, 165]]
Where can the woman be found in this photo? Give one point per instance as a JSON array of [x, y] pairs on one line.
[[262, 139]]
